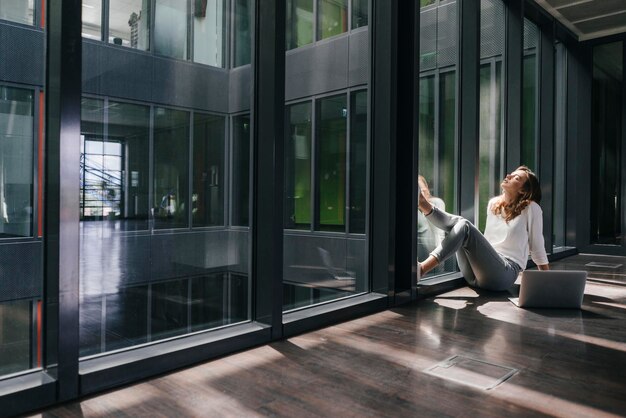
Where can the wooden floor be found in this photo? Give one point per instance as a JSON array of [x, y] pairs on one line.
[[569, 364]]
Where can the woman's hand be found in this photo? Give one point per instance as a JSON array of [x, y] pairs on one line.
[[544, 267]]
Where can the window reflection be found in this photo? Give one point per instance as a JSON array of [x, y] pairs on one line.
[[437, 120], [209, 25], [358, 162], [359, 13]]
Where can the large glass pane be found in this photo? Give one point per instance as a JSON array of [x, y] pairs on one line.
[[129, 23], [332, 18], [606, 152], [171, 168], [207, 198], [20, 11], [170, 28], [244, 10], [16, 162], [299, 23], [240, 199], [298, 160], [360, 13], [530, 96], [491, 110], [92, 19], [331, 162], [358, 162], [437, 121], [209, 27]]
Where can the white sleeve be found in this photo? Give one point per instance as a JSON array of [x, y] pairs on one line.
[[535, 234]]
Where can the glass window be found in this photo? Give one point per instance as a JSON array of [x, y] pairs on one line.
[[333, 18], [170, 28], [358, 162], [209, 32], [208, 170], [298, 166], [606, 154], [530, 96], [241, 171], [129, 23], [20, 11], [171, 168], [299, 23], [437, 121], [92, 19], [359, 13], [244, 10], [331, 162], [16, 162]]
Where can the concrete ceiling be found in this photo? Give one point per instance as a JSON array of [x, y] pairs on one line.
[[589, 19]]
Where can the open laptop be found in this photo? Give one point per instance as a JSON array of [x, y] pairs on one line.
[[551, 289]]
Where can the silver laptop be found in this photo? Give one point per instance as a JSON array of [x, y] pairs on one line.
[[551, 289]]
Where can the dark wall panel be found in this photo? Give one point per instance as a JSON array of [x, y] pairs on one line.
[[18, 63], [359, 63], [21, 272], [239, 89], [124, 73], [316, 69]]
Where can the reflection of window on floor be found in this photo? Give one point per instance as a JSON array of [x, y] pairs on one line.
[[100, 179]]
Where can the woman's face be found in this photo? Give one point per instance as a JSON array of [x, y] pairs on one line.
[[514, 183]]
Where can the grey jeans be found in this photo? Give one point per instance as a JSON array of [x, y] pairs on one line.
[[481, 265]]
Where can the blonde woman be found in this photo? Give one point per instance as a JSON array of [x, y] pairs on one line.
[[514, 230]]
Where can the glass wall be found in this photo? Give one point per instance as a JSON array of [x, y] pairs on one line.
[[606, 153], [300, 22], [324, 224], [530, 96], [491, 112], [20, 11], [437, 165], [333, 18], [165, 182], [20, 252]]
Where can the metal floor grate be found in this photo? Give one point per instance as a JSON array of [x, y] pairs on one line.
[[603, 265], [468, 371]]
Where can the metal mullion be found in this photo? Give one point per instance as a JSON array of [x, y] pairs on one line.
[[104, 33], [513, 72], [151, 170], [316, 23], [545, 127], [226, 172], [346, 207], [314, 213], [436, 149], [190, 170], [190, 31], [623, 149]]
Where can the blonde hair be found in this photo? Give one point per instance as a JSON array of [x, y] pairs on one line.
[[531, 192]]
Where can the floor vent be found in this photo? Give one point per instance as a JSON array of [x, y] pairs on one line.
[[468, 371], [603, 265]]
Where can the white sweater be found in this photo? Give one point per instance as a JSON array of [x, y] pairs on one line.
[[520, 236]]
